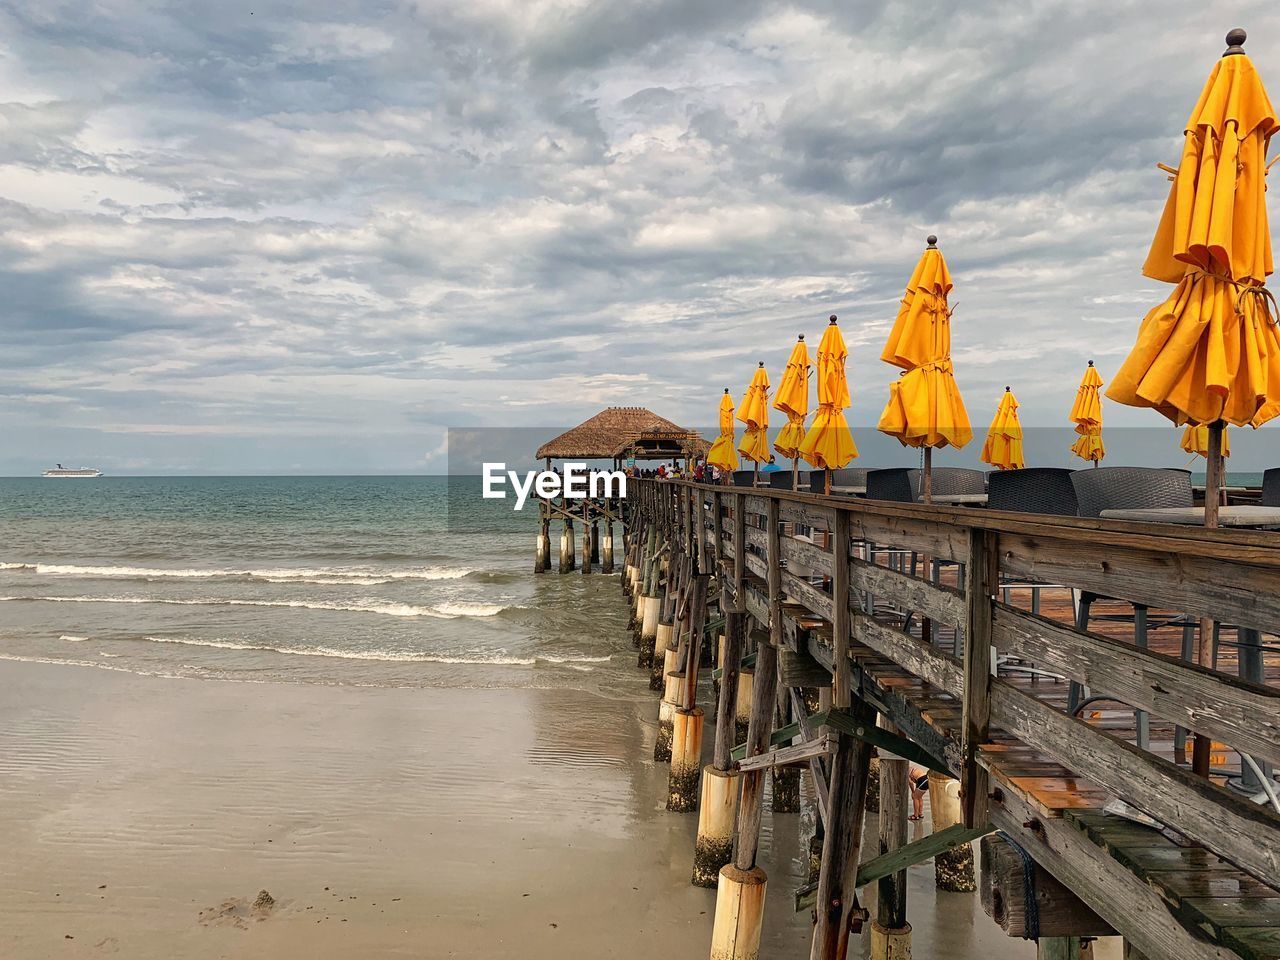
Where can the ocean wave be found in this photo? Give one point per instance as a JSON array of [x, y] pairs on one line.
[[344, 576], [389, 608], [501, 658], [72, 639]]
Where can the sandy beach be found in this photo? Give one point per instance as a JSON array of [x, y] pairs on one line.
[[146, 814]]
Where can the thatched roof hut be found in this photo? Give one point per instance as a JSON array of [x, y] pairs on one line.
[[618, 432]]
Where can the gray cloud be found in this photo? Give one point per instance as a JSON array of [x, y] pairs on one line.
[[315, 235]]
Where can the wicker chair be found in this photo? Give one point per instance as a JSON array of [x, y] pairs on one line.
[[1130, 488], [898, 484], [1046, 490], [948, 480], [849, 477], [744, 478], [780, 479], [1271, 488]]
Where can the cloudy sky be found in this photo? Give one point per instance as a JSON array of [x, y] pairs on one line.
[[281, 237]]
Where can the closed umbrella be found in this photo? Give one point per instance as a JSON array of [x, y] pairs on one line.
[[792, 399], [722, 454], [925, 408], [1086, 414], [754, 412], [1003, 446], [829, 445], [1210, 354]]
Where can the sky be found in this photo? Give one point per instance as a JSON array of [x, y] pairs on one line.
[[265, 237]]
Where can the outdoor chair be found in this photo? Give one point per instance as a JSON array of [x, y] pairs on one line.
[[1271, 488], [781, 479], [849, 477], [744, 478], [1129, 488], [949, 480]]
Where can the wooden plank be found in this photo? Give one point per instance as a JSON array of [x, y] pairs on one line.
[[929, 663], [805, 554], [812, 597], [926, 535], [918, 851], [816, 768], [1230, 592], [763, 694], [1244, 833], [840, 690], [1135, 910], [982, 582], [909, 593], [1230, 710], [820, 746], [774, 576], [796, 668], [843, 721]]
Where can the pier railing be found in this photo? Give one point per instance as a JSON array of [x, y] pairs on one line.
[[852, 583]]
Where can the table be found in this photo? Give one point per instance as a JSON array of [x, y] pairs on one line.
[[1244, 515], [959, 499]]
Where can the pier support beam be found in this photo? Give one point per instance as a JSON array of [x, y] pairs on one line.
[[717, 813], [566, 547], [891, 934], [952, 869], [661, 658], [735, 934], [686, 760], [606, 548], [588, 537], [741, 888], [786, 779], [742, 704], [671, 699]]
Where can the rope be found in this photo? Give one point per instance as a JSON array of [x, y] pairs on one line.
[[1266, 299], [1032, 931]]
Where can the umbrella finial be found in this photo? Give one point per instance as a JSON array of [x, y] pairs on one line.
[[762, 363], [833, 318], [1007, 390], [1235, 42], [932, 241], [802, 336], [1091, 363], [726, 389]]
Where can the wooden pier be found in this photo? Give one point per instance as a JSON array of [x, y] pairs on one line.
[[908, 631]]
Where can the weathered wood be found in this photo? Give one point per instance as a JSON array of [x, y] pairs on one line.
[[734, 631], [774, 574], [891, 898], [928, 663], [1242, 832], [1234, 711], [837, 902], [1135, 909], [909, 593], [841, 687], [796, 668], [751, 799], [1056, 911], [811, 596], [982, 582], [817, 770], [1217, 588], [800, 753]]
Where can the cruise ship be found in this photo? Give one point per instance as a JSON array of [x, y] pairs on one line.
[[61, 471]]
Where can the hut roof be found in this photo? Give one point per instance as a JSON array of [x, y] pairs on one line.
[[611, 432]]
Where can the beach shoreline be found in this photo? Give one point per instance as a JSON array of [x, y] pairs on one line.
[[148, 813]]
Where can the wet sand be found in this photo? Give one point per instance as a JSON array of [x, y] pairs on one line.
[[145, 814]]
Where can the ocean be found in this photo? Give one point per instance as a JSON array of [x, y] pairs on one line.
[[381, 581]]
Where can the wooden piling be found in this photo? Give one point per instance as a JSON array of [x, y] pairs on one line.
[[686, 760], [891, 933], [566, 547], [952, 869], [717, 815], [606, 548], [837, 908], [742, 703], [741, 888], [785, 779], [666, 715]]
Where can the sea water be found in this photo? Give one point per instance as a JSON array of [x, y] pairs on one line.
[[339, 580]]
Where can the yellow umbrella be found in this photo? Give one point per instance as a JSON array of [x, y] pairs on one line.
[[792, 399], [754, 412], [1003, 447], [925, 408], [1211, 351], [722, 454], [829, 445], [1086, 414], [1195, 439]]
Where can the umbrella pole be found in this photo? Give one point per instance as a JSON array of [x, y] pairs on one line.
[[927, 491], [1212, 496], [828, 481], [795, 473], [756, 481]]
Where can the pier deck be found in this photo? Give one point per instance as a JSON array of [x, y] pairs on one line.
[[919, 651]]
